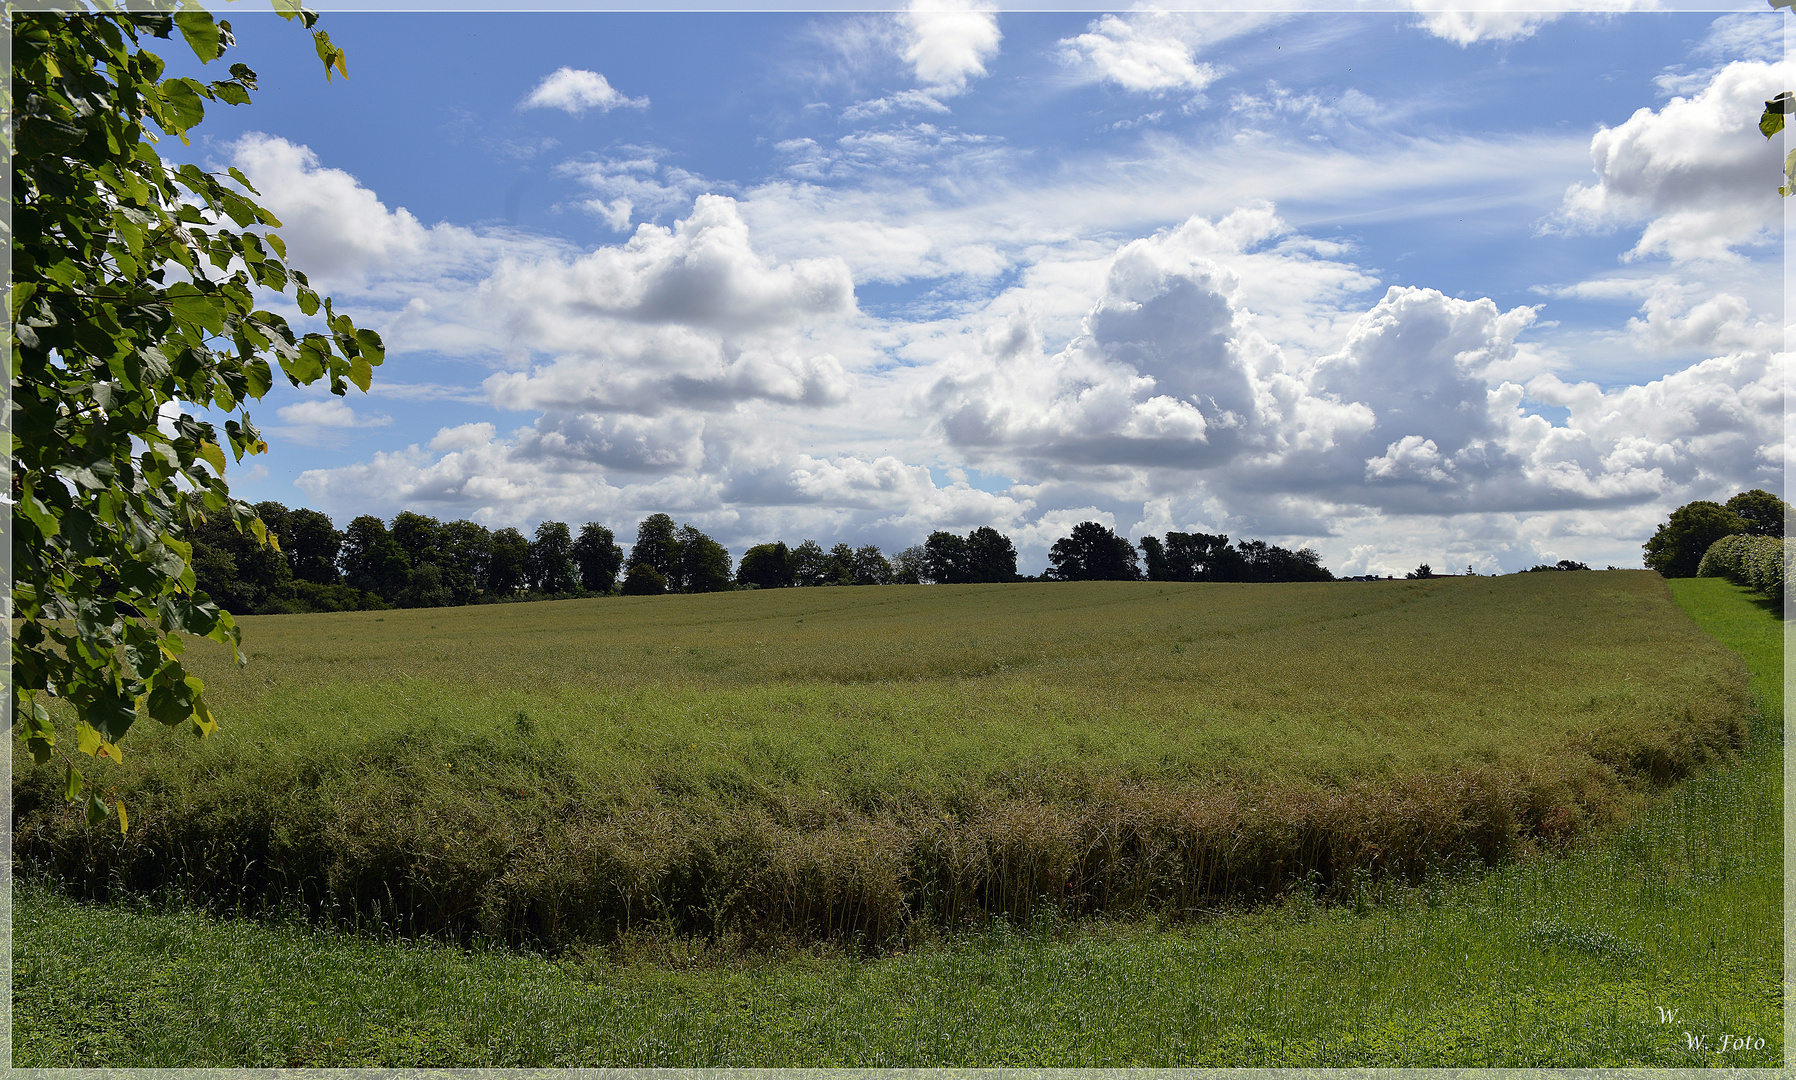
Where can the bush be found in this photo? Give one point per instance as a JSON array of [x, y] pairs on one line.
[[644, 580], [1757, 562]]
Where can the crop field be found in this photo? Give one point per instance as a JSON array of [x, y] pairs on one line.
[[873, 764], [1655, 943]]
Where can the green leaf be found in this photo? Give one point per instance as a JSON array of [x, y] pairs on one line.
[[72, 782], [213, 456], [373, 349], [96, 808], [184, 107], [201, 33]]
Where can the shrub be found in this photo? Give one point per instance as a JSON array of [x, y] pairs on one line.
[[1757, 562]]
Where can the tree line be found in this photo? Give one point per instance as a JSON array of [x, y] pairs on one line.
[[419, 561]]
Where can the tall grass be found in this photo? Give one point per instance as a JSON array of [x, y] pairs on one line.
[[1552, 961], [854, 764]]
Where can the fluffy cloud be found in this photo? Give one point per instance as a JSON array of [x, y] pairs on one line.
[[1489, 22], [335, 228], [1695, 172], [1143, 53], [949, 42], [574, 91]]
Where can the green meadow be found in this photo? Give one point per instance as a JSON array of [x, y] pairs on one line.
[[1226, 801]]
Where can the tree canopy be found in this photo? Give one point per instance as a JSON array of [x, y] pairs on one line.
[[133, 307], [1676, 548]]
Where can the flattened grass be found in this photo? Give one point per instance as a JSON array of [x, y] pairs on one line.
[[844, 763]]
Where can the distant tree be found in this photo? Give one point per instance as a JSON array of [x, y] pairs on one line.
[[946, 560], [658, 545], [418, 536], [311, 542], [552, 568], [598, 556], [464, 554], [1195, 557], [1420, 572], [1093, 553], [811, 565], [241, 575], [1677, 548], [1562, 564], [1153, 556], [990, 555], [424, 587], [1269, 562], [371, 559], [870, 567], [1763, 512], [843, 556], [766, 566], [644, 580], [908, 566], [508, 563], [704, 563]]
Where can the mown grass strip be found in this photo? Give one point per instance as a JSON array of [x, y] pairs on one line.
[[1549, 961]]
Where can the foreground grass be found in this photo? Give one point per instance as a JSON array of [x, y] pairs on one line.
[[1547, 961], [871, 764]]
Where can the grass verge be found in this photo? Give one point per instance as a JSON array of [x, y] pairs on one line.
[[1656, 945]]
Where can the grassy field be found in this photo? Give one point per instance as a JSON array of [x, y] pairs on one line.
[[869, 764], [1546, 960]]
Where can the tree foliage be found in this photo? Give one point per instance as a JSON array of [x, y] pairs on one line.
[[1771, 121], [1763, 512], [1677, 547], [1093, 553], [133, 301], [766, 566], [598, 556]]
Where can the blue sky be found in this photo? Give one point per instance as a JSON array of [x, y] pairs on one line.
[[1471, 289]]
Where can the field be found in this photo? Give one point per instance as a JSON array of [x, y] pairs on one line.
[[869, 765], [1546, 960]]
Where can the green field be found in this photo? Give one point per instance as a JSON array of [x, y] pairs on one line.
[[872, 764], [1547, 960]]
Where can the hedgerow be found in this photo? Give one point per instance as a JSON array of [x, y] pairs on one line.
[[1758, 562]]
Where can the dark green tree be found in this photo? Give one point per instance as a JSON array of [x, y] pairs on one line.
[[990, 555], [464, 550], [1763, 512], [1093, 553], [134, 307], [311, 542], [552, 568], [372, 560], [418, 536], [657, 544], [843, 556], [1677, 547], [811, 565], [766, 566], [644, 580], [508, 563], [946, 560], [704, 563], [870, 567], [598, 556], [1153, 557]]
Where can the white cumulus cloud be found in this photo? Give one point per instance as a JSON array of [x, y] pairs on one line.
[[949, 43], [1695, 172], [574, 91]]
